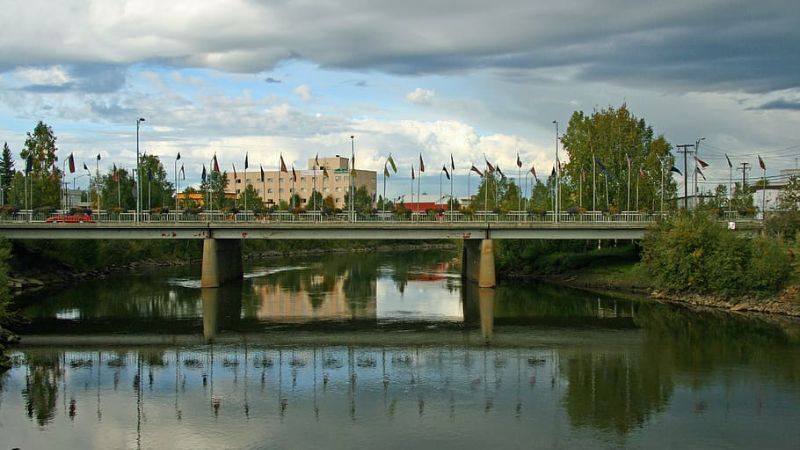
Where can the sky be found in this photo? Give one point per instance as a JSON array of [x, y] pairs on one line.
[[467, 78]]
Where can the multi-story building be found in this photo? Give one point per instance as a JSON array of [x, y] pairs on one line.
[[279, 186]]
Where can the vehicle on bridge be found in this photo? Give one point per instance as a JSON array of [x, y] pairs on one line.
[[70, 218]]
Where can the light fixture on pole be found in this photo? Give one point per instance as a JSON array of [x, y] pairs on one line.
[[138, 172]]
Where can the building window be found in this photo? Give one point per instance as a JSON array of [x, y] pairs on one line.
[[338, 189], [269, 180], [238, 181], [337, 178], [338, 200], [303, 200], [302, 189], [269, 191], [302, 179]]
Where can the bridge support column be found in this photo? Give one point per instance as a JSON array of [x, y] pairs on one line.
[[477, 262], [222, 262]]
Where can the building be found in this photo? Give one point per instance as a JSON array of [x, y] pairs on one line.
[[278, 186], [197, 198]]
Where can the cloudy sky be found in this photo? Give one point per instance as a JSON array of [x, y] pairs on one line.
[[466, 77]]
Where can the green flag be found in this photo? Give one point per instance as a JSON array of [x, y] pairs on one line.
[[391, 163]]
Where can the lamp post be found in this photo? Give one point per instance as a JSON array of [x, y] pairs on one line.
[[558, 177], [138, 173]]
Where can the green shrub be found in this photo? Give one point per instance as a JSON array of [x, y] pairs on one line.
[[693, 253]]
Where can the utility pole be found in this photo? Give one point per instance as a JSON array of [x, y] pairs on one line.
[[685, 152], [744, 170]]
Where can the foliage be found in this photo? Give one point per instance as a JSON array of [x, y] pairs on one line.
[[216, 182], [117, 190], [251, 198], [609, 136], [553, 257], [6, 172], [155, 186], [41, 147], [496, 193], [789, 198], [363, 201], [5, 254], [692, 253]]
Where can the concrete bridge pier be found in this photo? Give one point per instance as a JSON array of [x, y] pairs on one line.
[[477, 262], [222, 262]]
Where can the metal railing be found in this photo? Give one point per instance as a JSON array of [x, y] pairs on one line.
[[27, 216]]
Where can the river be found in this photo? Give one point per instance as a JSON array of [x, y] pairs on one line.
[[388, 350]]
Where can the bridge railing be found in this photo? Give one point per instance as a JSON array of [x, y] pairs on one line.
[[130, 217]]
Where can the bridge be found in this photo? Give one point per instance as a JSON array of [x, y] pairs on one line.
[[222, 233]]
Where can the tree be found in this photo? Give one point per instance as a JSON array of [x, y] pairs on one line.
[[315, 202], [250, 197], [157, 191], [45, 180], [6, 172], [362, 203], [789, 197], [215, 184], [613, 137], [118, 190]]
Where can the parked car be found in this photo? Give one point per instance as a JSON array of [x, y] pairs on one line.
[[72, 218]]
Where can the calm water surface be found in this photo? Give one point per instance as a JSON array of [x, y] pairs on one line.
[[389, 351]]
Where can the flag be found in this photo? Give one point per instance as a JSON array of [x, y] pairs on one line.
[[497, 168], [730, 165], [203, 175], [316, 160], [385, 171], [519, 161], [294, 174], [702, 163], [675, 169], [283, 165], [599, 163], [114, 173], [452, 163], [489, 165], [697, 170], [262, 172], [85, 168], [421, 164], [234, 172], [476, 170], [182, 173], [391, 163], [176, 159], [412, 172], [71, 164], [98, 156], [245, 162], [324, 172], [216, 164], [553, 173], [533, 172], [446, 173], [761, 163]]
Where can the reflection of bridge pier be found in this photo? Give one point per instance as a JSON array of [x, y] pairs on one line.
[[221, 308], [478, 306], [477, 262]]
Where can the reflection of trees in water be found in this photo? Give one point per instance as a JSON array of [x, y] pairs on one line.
[[41, 387], [402, 263], [616, 392]]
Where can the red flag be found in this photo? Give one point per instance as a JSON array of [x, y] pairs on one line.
[[283, 165], [489, 165], [702, 163], [761, 163], [71, 164], [215, 167], [294, 174]]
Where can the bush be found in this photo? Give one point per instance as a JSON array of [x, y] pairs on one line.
[[692, 253]]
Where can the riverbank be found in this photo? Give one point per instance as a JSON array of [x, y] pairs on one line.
[[629, 278]]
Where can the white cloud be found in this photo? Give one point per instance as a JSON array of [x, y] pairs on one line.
[[52, 76], [304, 92], [420, 96]]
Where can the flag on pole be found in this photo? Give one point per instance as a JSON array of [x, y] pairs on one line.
[[176, 159], [294, 174], [675, 169], [700, 172], [476, 170], [203, 175], [497, 168], [421, 164], [316, 160], [85, 168], [385, 171], [452, 163], [599, 163], [71, 164], [519, 161], [412, 173], [446, 173], [283, 166], [98, 156], [760, 163], [245, 162], [489, 165], [216, 164], [553, 173], [235, 176], [324, 172], [533, 172], [702, 163], [262, 172], [114, 173], [730, 165], [391, 163], [182, 173]]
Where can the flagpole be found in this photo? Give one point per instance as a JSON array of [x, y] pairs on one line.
[[525, 192], [280, 169], [486, 192], [637, 189], [352, 180], [662, 185], [383, 204], [519, 175], [594, 184], [314, 190], [469, 189], [176, 185], [440, 188], [629, 185], [763, 190], [412, 191]]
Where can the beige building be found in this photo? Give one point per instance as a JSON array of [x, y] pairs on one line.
[[278, 186]]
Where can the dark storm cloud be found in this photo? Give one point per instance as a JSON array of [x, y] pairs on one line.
[[715, 45]]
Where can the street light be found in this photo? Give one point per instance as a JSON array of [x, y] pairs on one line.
[[138, 172]]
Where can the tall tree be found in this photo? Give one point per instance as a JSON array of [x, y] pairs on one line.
[[155, 184], [118, 190], [624, 152], [45, 175], [6, 172]]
